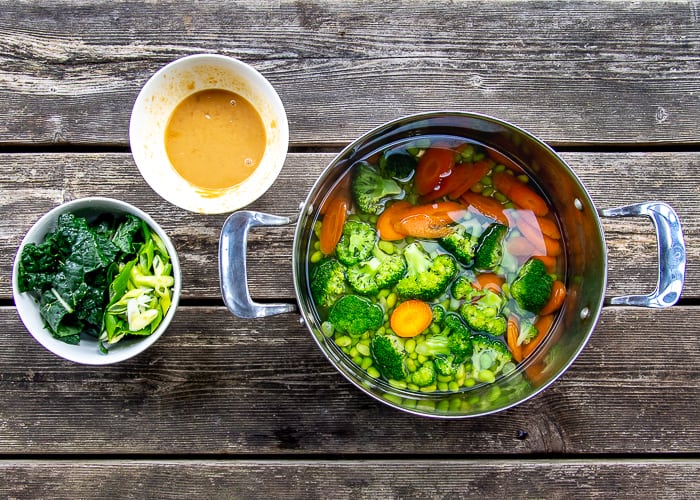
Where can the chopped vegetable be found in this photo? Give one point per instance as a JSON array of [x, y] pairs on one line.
[[108, 278], [333, 223], [432, 167], [520, 193], [411, 318]]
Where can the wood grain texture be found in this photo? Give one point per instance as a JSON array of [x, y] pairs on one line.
[[218, 385], [34, 183], [571, 72], [564, 479]]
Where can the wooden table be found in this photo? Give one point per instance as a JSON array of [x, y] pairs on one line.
[[222, 406]]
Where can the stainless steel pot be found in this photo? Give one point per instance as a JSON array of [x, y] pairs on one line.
[[585, 252]]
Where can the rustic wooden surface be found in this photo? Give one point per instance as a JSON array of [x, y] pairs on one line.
[[224, 407]]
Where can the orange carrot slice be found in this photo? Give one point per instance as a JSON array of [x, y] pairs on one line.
[[410, 318], [512, 334], [488, 207], [332, 225], [556, 299], [520, 193], [490, 281], [543, 324], [386, 220]]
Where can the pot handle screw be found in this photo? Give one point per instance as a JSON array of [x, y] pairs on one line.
[[672, 256], [233, 275]]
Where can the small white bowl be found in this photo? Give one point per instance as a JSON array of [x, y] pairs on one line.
[[156, 102], [87, 352]]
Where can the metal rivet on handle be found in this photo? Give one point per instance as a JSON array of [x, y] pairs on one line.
[[578, 204], [585, 312]]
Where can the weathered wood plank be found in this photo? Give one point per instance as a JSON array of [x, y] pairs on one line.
[[70, 71], [215, 384], [562, 479], [32, 184]]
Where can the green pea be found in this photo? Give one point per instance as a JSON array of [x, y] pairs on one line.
[[410, 345], [443, 405], [486, 376], [363, 349], [327, 328], [343, 341], [399, 384], [386, 247]]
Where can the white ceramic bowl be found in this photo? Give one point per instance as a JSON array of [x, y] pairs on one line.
[[87, 352], [156, 102]]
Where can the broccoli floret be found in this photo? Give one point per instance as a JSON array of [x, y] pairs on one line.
[[356, 243], [438, 313], [532, 286], [489, 248], [462, 288], [425, 375], [489, 358], [426, 278], [458, 337], [461, 244], [526, 332], [482, 311], [445, 365], [388, 356], [328, 282], [371, 191], [355, 315], [398, 164], [434, 345], [380, 271]]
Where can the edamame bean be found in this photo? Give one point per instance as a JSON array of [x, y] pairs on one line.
[[486, 376], [410, 345], [316, 257], [343, 341], [391, 300], [366, 363], [373, 372], [399, 384], [386, 247]]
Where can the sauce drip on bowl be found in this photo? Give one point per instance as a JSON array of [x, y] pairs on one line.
[[215, 139]]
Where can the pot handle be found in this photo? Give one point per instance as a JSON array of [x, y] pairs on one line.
[[233, 275], [671, 253]]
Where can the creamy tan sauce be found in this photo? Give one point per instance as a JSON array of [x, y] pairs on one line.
[[215, 139]]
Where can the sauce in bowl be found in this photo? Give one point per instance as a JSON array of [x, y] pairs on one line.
[[215, 139]]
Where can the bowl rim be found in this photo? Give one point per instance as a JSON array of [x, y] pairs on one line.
[[24, 301]]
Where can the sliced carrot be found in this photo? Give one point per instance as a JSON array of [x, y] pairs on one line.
[[488, 207], [504, 160], [543, 324], [332, 225], [531, 232], [340, 190], [520, 247], [536, 372], [549, 227], [411, 318], [461, 178], [430, 220], [556, 299], [490, 281], [432, 167], [549, 262], [423, 226], [386, 220], [520, 193], [512, 334], [552, 246]]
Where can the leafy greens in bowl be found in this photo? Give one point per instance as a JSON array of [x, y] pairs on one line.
[[96, 281]]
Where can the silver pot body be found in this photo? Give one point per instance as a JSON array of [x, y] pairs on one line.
[[584, 247]]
